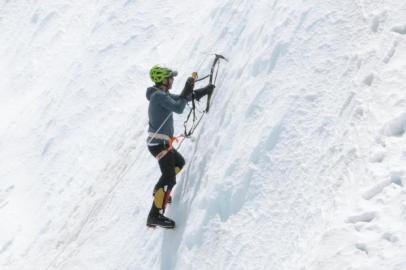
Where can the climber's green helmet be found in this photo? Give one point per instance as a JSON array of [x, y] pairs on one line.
[[158, 73]]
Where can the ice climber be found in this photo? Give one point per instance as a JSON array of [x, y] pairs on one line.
[[162, 105]]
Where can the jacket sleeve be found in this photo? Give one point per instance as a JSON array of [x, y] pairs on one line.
[[197, 94], [170, 102], [173, 96]]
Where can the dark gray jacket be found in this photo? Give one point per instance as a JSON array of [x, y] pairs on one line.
[[162, 104]]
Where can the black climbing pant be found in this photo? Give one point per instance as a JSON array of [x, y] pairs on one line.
[[170, 165]]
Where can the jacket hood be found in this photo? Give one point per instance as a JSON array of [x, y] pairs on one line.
[[150, 91]]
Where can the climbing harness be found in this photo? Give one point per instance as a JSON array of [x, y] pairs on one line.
[[170, 147]]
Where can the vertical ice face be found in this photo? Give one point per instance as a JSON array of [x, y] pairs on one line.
[[298, 165]]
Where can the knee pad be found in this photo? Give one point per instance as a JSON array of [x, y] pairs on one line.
[[178, 169]]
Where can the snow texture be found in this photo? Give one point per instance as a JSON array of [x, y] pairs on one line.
[[300, 163]]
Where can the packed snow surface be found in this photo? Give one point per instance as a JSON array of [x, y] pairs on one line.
[[300, 163]]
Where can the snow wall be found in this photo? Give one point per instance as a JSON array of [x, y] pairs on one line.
[[300, 163]]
